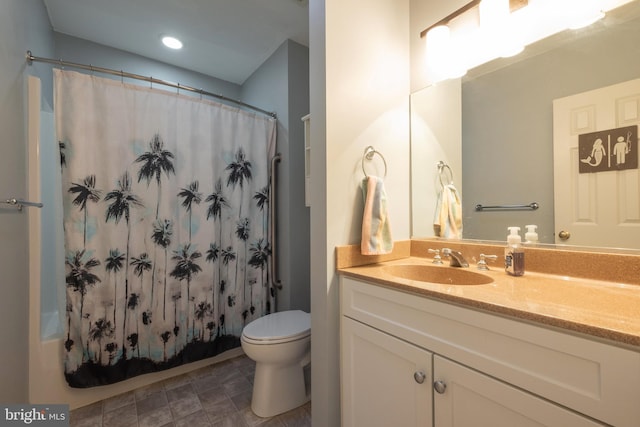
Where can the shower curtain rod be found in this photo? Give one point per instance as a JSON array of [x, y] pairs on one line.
[[61, 63]]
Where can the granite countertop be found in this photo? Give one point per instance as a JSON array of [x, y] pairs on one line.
[[601, 309]]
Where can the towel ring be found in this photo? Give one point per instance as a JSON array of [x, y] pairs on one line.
[[369, 152], [441, 167]]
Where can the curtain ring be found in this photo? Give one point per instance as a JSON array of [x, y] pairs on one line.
[[178, 90], [121, 76], [369, 152]]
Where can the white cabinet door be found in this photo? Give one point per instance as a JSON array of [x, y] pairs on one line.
[[471, 399], [385, 381]]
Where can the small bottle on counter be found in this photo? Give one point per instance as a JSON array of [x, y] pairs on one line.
[[513, 253], [531, 236]]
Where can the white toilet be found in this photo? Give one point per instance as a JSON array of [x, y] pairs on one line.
[[280, 344]]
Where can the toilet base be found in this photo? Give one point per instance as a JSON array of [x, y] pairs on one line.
[[278, 389]]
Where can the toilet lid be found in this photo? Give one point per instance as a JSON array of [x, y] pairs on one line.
[[291, 325]]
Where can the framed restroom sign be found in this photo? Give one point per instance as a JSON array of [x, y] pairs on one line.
[[608, 150]]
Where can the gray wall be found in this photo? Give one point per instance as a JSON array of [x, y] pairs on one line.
[[281, 84], [24, 25], [85, 52], [507, 131]]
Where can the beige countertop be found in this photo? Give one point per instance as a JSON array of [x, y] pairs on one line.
[[601, 309]]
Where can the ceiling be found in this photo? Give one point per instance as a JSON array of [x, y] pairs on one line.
[[227, 39]]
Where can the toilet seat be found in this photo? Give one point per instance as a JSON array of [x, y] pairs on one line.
[[276, 328]]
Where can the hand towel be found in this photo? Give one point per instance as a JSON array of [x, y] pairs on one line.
[[448, 217], [376, 231]]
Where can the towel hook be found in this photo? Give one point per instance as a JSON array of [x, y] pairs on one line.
[[441, 167], [369, 152]]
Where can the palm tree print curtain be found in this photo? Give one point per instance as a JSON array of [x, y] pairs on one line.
[[165, 218]]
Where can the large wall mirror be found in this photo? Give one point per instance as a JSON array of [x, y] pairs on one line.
[[501, 149]]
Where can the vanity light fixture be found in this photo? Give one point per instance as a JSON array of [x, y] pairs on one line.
[[171, 42], [582, 13], [444, 58], [498, 29], [483, 30], [448, 50]]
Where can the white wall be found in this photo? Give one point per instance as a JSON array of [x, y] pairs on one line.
[[436, 135], [365, 59], [359, 96]]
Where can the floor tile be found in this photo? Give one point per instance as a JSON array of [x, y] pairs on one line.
[[242, 400], [299, 417], [233, 420], [186, 406], [118, 401], [219, 410], [252, 420], [146, 391], [84, 416], [152, 402], [217, 395], [124, 416], [197, 419], [157, 417], [180, 392], [93, 421]]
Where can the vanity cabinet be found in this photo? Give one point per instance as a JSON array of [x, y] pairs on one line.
[[468, 398], [480, 369], [385, 381]]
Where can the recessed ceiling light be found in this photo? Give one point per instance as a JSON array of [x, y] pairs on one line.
[[172, 42]]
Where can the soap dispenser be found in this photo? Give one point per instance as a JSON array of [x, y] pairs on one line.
[[513, 253], [531, 236]]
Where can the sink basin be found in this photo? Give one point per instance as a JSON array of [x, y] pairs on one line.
[[437, 274]]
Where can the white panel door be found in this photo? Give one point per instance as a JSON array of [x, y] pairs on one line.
[[467, 398], [603, 208], [385, 381]]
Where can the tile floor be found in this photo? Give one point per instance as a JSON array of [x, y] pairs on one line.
[[214, 396]]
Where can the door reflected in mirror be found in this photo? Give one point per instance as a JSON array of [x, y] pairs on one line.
[[507, 134]]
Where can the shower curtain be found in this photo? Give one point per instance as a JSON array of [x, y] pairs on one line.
[[166, 226]]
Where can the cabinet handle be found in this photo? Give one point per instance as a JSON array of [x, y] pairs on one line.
[[419, 376], [440, 386]]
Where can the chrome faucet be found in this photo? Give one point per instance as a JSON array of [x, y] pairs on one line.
[[455, 258]]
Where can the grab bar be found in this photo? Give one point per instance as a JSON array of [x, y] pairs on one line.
[[275, 281], [533, 206], [19, 203]]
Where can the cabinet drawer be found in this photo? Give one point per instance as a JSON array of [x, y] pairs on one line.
[[594, 378]]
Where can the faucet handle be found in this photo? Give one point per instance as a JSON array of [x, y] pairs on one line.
[[437, 259], [482, 264]]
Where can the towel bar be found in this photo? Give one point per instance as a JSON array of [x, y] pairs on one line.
[[533, 206], [369, 152], [441, 167], [21, 203]]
